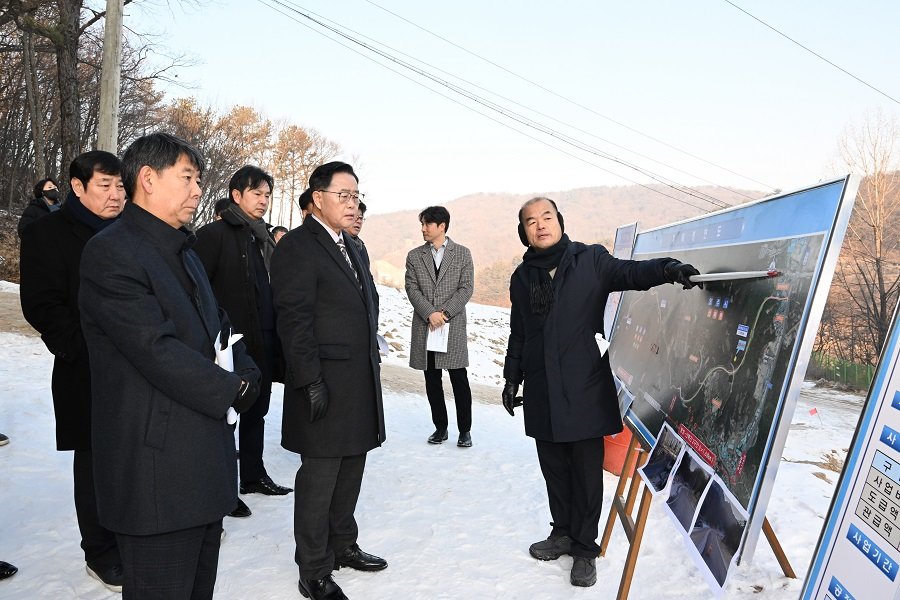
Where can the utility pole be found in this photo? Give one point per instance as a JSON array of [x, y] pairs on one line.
[[110, 81]]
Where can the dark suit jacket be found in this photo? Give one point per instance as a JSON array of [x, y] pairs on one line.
[[327, 326], [569, 391], [49, 269], [164, 456], [224, 248]]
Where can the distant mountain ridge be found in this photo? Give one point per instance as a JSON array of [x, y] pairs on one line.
[[486, 224]]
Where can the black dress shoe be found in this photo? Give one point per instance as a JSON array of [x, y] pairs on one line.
[[354, 558], [438, 437], [265, 486], [111, 577], [241, 511], [321, 589], [465, 440], [7, 570]]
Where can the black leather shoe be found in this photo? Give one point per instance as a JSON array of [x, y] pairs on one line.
[[4, 440], [438, 437], [265, 486], [7, 570], [241, 511], [321, 589], [354, 558], [111, 577], [465, 440]]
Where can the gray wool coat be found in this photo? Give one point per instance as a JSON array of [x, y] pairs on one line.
[[449, 290]]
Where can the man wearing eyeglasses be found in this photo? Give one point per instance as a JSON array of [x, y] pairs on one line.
[[326, 307]]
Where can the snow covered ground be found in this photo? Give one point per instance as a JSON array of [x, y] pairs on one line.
[[452, 523]]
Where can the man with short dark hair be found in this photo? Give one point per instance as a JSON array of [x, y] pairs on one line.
[[558, 294], [333, 415], [236, 252], [50, 266], [353, 232], [164, 452], [305, 200], [278, 232], [440, 280]]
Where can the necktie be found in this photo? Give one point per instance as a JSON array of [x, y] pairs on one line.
[[343, 248]]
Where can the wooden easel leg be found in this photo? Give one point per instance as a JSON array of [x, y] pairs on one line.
[[635, 546], [627, 471], [782, 558]]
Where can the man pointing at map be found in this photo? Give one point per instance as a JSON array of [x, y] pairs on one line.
[[558, 294]]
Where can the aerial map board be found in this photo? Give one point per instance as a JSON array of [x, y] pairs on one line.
[[722, 366]]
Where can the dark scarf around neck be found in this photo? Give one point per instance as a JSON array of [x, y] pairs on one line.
[[86, 216], [260, 232], [538, 264]]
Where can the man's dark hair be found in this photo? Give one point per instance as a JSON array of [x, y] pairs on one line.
[[39, 186], [538, 199], [362, 207], [158, 151], [321, 177], [436, 215], [220, 205], [249, 177], [279, 228], [85, 165], [305, 199]]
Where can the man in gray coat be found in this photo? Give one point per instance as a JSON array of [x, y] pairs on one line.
[[326, 304], [439, 283], [164, 459]]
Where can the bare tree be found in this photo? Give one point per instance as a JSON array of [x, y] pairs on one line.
[[868, 273]]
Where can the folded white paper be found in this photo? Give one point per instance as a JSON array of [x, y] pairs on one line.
[[437, 338], [601, 343], [382, 345], [225, 359]]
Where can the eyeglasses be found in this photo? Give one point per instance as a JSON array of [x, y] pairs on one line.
[[360, 218], [346, 197]]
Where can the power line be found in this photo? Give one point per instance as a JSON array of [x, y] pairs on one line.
[[569, 100], [512, 115], [533, 110], [487, 116], [813, 52]]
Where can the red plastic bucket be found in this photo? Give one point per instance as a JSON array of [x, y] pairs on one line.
[[615, 448]]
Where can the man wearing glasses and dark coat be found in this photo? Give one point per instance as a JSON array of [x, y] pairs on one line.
[[325, 300]]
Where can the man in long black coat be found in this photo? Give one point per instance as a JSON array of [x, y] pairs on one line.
[[558, 294], [325, 301], [236, 251], [50, 270], [164, 455]]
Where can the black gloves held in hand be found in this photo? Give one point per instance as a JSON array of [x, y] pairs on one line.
[[317, 394], [679, 272], [510, 400], [247, 395]]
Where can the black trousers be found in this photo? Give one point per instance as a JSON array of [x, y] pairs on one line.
[[462, 394], [573, 472], [325, 495], [98, 543], [180, 565], [251, 428]]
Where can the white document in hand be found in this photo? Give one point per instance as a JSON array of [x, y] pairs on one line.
[[225, 359], [437, 338]]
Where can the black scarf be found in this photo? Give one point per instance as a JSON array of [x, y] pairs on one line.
[[258, 227], [86, 216], [538, 264]]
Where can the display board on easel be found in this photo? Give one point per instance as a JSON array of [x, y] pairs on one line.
[[722, 367], [858, 555]]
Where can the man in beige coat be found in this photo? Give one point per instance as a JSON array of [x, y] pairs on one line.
[[439, 283]]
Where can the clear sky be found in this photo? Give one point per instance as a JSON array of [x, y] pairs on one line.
[[698, 75]]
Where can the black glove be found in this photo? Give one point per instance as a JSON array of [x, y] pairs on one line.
[[679, 272], [247, 395], [317, 394], [510, 400]]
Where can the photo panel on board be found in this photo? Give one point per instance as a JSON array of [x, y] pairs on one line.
[[657, 472]]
